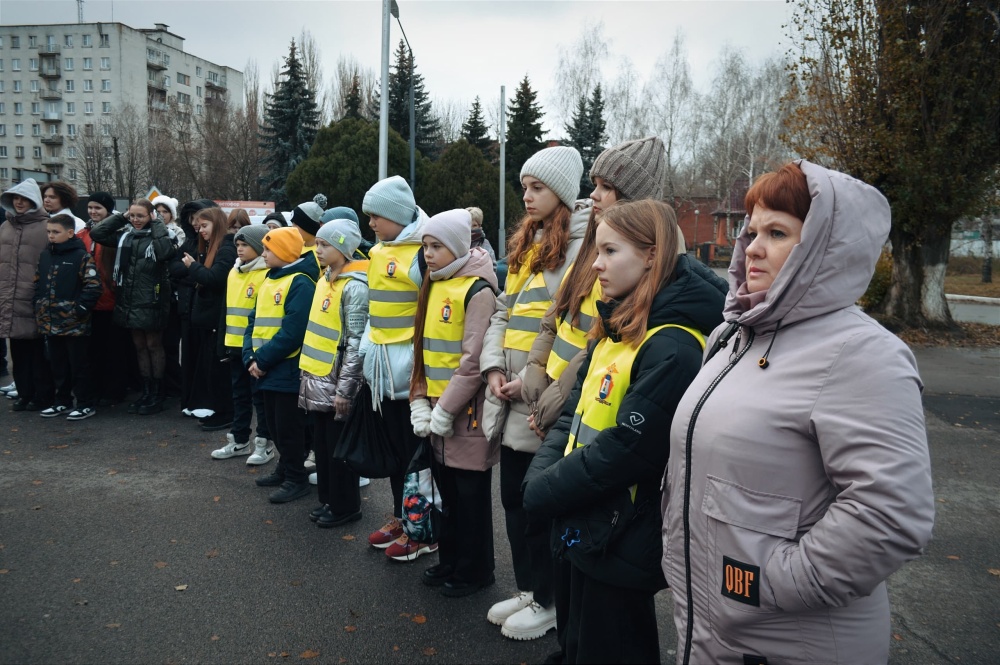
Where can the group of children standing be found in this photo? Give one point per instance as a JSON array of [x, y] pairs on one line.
[[600, 317]]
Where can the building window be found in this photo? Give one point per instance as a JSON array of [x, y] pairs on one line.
[[72, 172], [71, 107], [3, 130], [17, 86], [68, 65], [1, 86], [3, 152], [1, 42], [71, 86], [88, 85], [32, 41], [197, 72], [183, 98], [105, 129], [68, 43], [19, 152], [88, 64], [87, 40], [18, 130], [71, 129], [88, 130], [198, 90], [36, 108], [106, 107], [105, 41], [105, 63], [36, 130], [166, 58], [198, 108], [183, 79], [106, 85], [33, 64], [1, 64], [88, 107], [15, 41], [34, 85], [37, 152], [15, 64], [71, 151], [18, 108], [3, 172], [2, 105]]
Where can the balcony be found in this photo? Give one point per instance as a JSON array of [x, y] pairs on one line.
[[215, 101], [52, 116], [50, 95], [155, 62], [52, 139], [216, 83], [156, 82], [49, 49], [158, 106], [50, 70], [54, 162]]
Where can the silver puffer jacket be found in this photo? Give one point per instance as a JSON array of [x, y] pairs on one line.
[[316, 393]]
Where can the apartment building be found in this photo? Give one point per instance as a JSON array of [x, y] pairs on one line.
[[61, 83]]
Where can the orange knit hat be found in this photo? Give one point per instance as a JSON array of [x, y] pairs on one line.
[[285, 243]]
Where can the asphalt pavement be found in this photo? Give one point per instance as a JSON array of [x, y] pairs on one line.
[[121, 541]]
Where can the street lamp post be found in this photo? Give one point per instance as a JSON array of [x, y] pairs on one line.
[[696, 213], [383, 120], [413, 121]]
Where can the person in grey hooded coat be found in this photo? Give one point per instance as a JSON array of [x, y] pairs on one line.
[[799, 477]]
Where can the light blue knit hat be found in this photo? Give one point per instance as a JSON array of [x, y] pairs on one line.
[[340, 212], [343, 234], [392, 199], [560, 168]]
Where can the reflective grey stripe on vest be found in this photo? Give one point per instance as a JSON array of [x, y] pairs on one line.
[[441, 345], [391, 321], [322, 331], [524, 323], [235, 330], [267, 322], [318, 354], [564, 349], [584, 434], [438, 373], [239, 311], [586, 322], [537, 294], [384, 295], [257, 342]]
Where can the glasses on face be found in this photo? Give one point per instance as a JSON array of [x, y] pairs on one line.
[[138, 217]]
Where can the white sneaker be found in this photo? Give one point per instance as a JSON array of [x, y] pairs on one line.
[[313, 478], [502, 610], [202, 413], [231, 449], [263, 452], [187, 412], [364, 482], [530, 623], [9, 388], [12, 394], [310, 462]]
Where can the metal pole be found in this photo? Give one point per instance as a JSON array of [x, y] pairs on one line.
[[413, 125], [502, 239], [383, 120], [696, 212]]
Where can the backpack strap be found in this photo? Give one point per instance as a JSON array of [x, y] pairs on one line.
[[476, 287]]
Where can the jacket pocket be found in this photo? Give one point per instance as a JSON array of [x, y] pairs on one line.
[[744, 528]]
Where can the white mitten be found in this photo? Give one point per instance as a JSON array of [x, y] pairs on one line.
[[420, 417], [441, 422]]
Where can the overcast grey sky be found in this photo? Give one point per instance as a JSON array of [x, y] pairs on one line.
[[463, 48]]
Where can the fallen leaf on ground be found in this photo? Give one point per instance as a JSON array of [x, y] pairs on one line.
[[405, 614], [76, 580], [429, 651], [112, 472], [112, 625], [283, 654], [60, 447], [81, 602], [216, 498], [272, 654], [214, 638], [953, 557], [114, 563], [36, 507], [897, 637], [163, 444], [296, 583], [347, 537], [132, 458], [994, 571], [268, 522], [180, 587], [36, 482], [420, 618], [212, 553], [160, 564], [350, 629], [395, 647], [308, 653], [4, 571]]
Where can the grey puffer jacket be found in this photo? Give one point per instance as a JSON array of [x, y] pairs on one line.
[[22, 239], [508, 421], [316, 393], [795, 489]]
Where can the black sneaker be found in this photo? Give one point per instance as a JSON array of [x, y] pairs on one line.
[[457, 588], [216, 422], [272, 479], [330, 520], [25, 405], [81, 414], [289, 491], [316, 513]]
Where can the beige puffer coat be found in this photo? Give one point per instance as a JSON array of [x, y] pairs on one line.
[[22, 239]]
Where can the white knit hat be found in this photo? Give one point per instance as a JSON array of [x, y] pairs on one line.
[[560, 168], [165, 200]]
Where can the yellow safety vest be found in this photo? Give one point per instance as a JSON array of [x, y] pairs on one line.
[[241, 299], [322, 339], [444, 328], [604, 388], [271, 310], [392, 296], [531, 300], [570, 341]]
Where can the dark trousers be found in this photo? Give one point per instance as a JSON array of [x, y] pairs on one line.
[[466, 541], [71, 371], [246, 400], [32, 373], [286, 423], [3, 358], [111, 350], [609, 624], [172, 382], [213, 385], [336, 483], [530, 551], [396, 416]]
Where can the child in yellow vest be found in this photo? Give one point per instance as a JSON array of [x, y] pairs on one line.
[[331, 366], [244, 284], [598, 472], [447, 392], [271, 347]]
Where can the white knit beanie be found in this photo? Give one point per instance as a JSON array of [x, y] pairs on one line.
[[453, 228], [560, 168], [171, 204]]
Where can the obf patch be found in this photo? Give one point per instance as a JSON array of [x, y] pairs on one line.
[[741, 582], [446, 311], [390, 268]]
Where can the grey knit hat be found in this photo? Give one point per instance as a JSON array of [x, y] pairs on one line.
[[635, 168], [340, 212], [391, 199], [343, 234], [253, 235], [453, 228], [560, 168], [307, 217]]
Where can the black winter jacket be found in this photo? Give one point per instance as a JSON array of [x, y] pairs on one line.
[[143, 296], [209, 293], [587, 492], [67, 287]]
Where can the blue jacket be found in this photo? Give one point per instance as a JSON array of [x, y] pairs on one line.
[[283, 372]]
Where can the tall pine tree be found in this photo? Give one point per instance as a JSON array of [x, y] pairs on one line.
[[474, 129], [352, 101], [291, 120], [428, 132], [578, 135], [524, 130]]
